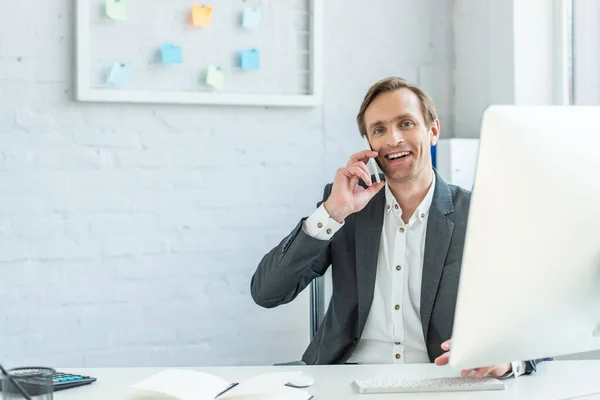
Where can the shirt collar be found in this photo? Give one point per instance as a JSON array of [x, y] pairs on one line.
[[422, 210]]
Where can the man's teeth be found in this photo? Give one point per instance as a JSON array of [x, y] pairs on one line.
[[398, 155]]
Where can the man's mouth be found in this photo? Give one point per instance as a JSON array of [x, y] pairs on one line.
[[397, 156]]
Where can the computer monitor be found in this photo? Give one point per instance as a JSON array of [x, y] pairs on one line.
[[530, 276]]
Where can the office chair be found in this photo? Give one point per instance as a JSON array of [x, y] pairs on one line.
[[321, 290], [320, 295]]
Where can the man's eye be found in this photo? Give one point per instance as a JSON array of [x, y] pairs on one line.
[[378, 131], [407, 124]]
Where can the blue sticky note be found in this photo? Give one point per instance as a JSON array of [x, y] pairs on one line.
[[250, 59], [171, 54], [251, 18], [120, 75]]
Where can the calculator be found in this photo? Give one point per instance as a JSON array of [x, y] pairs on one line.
[[63, 380]]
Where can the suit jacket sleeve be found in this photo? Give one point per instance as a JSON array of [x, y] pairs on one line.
[[290, 267], [531, 366]]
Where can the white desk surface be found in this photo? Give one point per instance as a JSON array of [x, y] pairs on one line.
[[554, 380]]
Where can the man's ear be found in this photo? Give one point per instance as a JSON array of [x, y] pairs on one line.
[[434, 132]]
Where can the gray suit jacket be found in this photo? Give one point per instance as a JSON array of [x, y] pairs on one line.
[[290, 267]]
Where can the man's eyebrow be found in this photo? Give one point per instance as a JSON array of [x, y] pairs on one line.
[[396, 118]]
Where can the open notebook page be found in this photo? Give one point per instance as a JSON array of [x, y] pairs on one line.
[[284, 393], [183, 384]]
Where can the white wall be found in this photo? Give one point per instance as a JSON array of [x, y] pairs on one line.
[[129, 233], [586, 49], [476, 61], [505, 53]]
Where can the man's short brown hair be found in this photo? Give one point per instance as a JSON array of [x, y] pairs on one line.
[[389, 85]]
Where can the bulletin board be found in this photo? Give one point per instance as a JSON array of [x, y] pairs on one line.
[[228, 52]]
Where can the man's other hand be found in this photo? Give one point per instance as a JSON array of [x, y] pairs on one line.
[[494, 370]]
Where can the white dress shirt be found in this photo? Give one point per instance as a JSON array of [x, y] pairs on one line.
[[393, 333]]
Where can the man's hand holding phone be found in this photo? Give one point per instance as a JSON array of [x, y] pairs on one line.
[[347, 196]]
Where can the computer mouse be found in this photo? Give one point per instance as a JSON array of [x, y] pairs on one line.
[[301, 381]]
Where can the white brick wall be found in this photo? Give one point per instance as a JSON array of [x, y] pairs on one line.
[[129, 233]]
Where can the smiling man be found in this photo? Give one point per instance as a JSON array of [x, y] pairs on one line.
[[395, 247]]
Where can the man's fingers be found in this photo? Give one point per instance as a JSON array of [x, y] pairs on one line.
[[481, 372], [443, 359], [362, 156], [362, 166], [375, 188], [356, 171]]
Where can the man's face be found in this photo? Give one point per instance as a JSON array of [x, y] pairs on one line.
[[397, 131]]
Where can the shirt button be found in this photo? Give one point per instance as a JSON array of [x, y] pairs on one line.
[[422, 215], [397, 307], [401, 230], [397, 343], [398, 268], [329, 231], [319, 225], [396, 206], [388, 207], [397, 356]]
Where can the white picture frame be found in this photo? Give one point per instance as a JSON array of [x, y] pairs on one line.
[[86, 93]]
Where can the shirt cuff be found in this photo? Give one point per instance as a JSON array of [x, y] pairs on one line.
[[320, 225], [518, 369]]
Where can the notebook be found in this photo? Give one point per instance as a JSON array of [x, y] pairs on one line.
[[180, 384]]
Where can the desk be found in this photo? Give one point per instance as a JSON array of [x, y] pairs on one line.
[[554, 380]]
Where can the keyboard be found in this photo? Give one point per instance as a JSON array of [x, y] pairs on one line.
[[62, 380], [427, 385]]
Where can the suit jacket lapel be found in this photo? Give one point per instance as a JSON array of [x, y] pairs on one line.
[[369, 223], [437, 242]]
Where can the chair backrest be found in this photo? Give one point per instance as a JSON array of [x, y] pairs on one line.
[[321, 291]]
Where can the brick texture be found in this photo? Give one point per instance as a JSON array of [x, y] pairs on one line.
[[129, 233]]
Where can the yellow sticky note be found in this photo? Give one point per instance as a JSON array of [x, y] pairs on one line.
[[116, 9], [215, 77], [201, 15]]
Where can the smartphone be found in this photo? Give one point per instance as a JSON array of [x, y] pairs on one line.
[[372, 161]]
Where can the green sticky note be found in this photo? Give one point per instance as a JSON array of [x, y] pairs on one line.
[[215, 77], [116, 9]]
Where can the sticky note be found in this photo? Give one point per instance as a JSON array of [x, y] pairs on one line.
[[251, 18], [171, 54], [215, 77], [120, 75], [201, 15], [116, 9], [250, 59]]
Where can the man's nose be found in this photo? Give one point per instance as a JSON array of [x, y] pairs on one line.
[[396, 137]]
